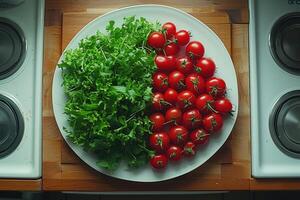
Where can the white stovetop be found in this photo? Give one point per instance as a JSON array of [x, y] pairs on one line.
[[268, 82], [25, 88]]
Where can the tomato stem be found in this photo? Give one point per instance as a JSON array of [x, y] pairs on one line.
[[211, 108], [165, 103]]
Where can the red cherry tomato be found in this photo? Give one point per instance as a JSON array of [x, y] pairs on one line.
[[178, 135], [160, 82], [170, 96], [195, 83], [174, 153], [205, 103], [156, 40], [159, 161], [176, 80], [205, 67], [182, 37], [194, 50], [213, 122], [158, 102], [223, 105], [186, 99], [170, 29], [216, 87], [171, 49], [189, 149], [184, 65], [159, 141], [191, 119], [157, 120], [199, 136], [165, 63], [173, 115]]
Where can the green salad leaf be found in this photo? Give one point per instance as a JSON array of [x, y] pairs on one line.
[[107, 82]]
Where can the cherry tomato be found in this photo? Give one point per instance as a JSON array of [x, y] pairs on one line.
[[170, 29], [195, 83], [189, 149], [173, 115], [159, 141], [191, 119], [170, 96], [199, 136], [174, 153], [205, 67], [176, 80], [216, 87], [160, 82], [184, 65], [178, 135], [205, 103], [182, 37], [165, 63], [213, 122], [158, 102], [171, 49], [186, 99], [156, 40], [159, 161], [157, 120], [194, 50], [223, 105]]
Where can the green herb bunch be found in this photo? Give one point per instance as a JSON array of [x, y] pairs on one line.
[[107, 82]]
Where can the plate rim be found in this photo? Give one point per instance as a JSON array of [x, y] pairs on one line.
[[103, 171]]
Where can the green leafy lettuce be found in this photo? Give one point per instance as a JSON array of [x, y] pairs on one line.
[[107, 82]]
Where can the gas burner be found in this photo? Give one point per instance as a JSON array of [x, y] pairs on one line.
[[11, 126], [285, 42], [285, 123], [12, 47]]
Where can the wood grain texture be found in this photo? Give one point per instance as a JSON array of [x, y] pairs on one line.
[[63, 170], [238, 9], [21, 185], [275, 184]]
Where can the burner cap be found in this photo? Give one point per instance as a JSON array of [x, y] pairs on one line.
[[285, 42], [12, 48], [285, 123], [11, 126]]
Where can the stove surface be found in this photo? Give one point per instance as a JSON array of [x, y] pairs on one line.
[[268, 83], [23, 87]]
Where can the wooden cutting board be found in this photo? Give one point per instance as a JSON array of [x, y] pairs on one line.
[[228, 169]]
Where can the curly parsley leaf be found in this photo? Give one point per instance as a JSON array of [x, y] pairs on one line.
[[107, 82]]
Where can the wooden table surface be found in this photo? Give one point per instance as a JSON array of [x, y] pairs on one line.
[[229, 169], [62, 170]]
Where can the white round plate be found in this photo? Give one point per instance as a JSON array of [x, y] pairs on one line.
[[214, 48]]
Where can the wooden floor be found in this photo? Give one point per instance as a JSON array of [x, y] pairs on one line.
[[239, 195]]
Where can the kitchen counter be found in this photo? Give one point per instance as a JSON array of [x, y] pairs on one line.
[[228, 169], [22, 185]]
